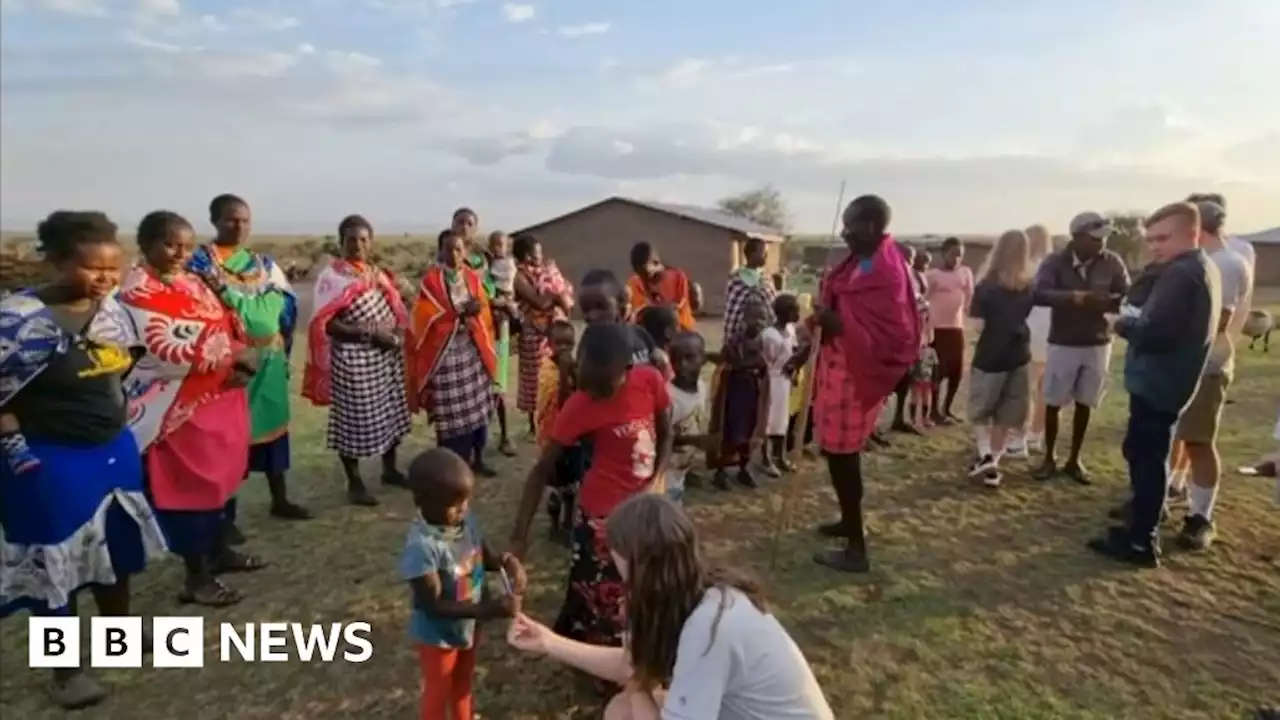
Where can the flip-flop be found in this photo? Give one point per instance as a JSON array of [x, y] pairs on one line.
[[213, 594], [236, 562]]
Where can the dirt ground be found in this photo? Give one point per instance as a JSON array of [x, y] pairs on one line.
[[982, 605]]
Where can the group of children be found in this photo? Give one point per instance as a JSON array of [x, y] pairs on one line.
[[622, 410]]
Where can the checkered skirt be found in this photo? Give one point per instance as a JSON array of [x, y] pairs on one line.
[[461, 389], [369, 412], [844, 420]]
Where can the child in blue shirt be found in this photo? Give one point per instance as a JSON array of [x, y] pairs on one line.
[[444, 561]]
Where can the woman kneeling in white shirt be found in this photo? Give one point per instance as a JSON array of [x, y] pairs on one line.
[[701, 645]]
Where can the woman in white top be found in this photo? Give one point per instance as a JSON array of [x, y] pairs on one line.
[[704, 636], [1039, 247]]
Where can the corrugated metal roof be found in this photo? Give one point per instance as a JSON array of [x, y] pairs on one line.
[[712, 216], [1264, 237]]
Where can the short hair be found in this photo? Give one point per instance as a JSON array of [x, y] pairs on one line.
[[63, 232], [658, 320], [641, 253], [157, 226], [753, 242], [783, 301], [465, 211], [444, 235], [951, 242], [522, 245], [606, 279], [1215, 198], [220, 203], [1188, 213], [873, 209], [605, 345], [353, 222]]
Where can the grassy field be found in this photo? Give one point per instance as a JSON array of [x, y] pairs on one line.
[[981, 605]]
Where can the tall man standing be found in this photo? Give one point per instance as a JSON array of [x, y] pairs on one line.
[[1081, 284], [1169, 321], [1196, 448]]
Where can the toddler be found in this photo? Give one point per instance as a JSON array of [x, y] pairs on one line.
[[922, 377], [557, 380], [780, 343], [688, 392], [444, 561], [796, 404], [662, 324]]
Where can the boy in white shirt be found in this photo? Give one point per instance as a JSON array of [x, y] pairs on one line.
[[688, 392], [779, 351]]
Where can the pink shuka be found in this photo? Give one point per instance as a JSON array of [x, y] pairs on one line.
[[336, 288], [193, 430], [879, 342]]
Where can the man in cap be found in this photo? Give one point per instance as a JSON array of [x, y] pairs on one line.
[[1080, 284], [1245, 249], [1196, 436]]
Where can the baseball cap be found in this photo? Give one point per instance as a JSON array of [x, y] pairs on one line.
[[1092, 224]]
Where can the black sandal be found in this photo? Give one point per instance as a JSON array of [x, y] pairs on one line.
[[211, 594], [237, 562]]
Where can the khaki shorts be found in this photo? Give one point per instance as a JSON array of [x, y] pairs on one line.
[[1199, 422], [1076, 375], [1002, 399]]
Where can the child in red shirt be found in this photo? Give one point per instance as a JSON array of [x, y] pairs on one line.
[[624, 410]]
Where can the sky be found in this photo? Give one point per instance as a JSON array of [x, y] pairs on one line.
[[968, 117]]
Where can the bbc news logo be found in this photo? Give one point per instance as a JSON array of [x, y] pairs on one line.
[[178, 642]]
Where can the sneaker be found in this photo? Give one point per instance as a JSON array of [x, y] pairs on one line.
[[771, 470], [991, 478], [745, 479], [1197, 533], [1116, 545], [982, 465], [1017, 450]]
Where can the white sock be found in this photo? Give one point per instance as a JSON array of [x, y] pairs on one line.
[[984, 440], [1202, 499], [1178, 480]]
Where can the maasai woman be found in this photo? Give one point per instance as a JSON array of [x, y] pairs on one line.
[[77, 517], [746, 282], [452, 358], [656, 284], [188, 408], [262, 297], [355, 359], [543, 297], [870, 338]]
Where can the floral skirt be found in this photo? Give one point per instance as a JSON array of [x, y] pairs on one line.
[[594, 603]]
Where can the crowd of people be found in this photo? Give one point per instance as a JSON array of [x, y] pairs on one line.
[[135, 401]]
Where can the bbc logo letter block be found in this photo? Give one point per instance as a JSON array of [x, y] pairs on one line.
[[178, 642]]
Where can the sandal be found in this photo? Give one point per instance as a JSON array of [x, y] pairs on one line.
[[237, 562], [210, 594], [77, 692]]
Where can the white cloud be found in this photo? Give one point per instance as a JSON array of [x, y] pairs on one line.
[[593, 28], [251, 20], [518, 13], [85, 8], [151, 9]]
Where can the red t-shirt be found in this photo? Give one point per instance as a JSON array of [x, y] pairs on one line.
[[623, 437]]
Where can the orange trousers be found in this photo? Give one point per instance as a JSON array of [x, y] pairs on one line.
[[446, 682]]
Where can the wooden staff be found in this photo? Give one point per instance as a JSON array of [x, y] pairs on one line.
[[806, 403]]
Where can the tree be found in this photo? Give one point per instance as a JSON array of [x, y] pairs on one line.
[[763, 205], [1126, 239]]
